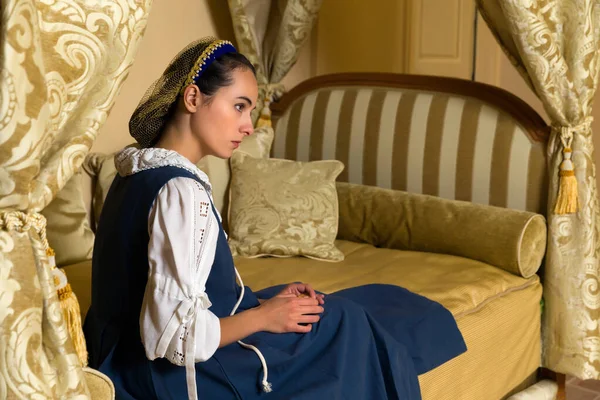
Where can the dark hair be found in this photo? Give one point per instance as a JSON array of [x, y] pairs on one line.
[[218, 74]]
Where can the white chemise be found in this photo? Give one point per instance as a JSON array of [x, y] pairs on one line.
[[183, 233]]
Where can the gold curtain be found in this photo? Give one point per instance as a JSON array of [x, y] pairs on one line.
[[270, 33], [63, 64], [554, 45]]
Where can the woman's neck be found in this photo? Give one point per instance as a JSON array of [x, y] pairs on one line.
[[181, 140]]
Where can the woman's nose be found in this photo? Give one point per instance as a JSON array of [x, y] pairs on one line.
[[247, 130], [247, 127]]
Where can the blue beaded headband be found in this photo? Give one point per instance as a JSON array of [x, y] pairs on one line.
[[213, 51]]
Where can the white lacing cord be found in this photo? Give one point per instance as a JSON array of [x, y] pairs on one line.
[[266, 385]]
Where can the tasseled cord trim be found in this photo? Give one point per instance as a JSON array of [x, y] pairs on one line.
[[70, 308], [72, 313], [266, 385], [567, 197]]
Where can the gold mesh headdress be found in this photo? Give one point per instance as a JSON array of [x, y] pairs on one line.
[[152, 112]]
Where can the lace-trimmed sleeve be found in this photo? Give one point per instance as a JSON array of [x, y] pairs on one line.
[[176, 322]]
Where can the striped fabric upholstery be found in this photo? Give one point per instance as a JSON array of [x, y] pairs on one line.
[[417, 141]]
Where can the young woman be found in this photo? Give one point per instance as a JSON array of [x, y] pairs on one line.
[[168, 319]]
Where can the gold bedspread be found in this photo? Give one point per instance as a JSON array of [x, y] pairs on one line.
[[497, 312]]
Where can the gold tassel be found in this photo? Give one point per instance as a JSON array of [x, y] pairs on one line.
[[70, 307], [272, 92], [566, 202], [568, 196], [262, 122], [265, 115]]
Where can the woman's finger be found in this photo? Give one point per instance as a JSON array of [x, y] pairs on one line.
[[321, 298], [306, 301], [305, 319], [286, 295], [308, 289], [302, 328], [312, 310]]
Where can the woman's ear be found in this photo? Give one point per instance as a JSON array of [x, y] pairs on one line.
[[192, 98]]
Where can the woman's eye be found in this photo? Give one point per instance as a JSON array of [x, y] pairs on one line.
[[239, 107]]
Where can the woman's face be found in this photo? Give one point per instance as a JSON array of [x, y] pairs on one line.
[[222, 123]]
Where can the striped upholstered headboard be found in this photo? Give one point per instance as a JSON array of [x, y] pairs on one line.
[[445, 137]]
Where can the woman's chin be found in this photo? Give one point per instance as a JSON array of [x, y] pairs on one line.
[[223, 152], [225, 155]]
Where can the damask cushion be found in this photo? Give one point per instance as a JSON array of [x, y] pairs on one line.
[[101, 167], [283, 208], [67, 226], [99, 385]]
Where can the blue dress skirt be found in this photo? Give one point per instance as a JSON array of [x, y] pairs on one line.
[[371, 342]]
